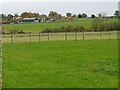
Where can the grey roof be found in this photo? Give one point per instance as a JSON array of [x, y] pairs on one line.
[[32, 18], [29, 18]]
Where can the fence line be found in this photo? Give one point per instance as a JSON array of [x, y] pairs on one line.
[[59, 36]]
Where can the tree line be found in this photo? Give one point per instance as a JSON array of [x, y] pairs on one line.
[[98, 25], [52, 14]]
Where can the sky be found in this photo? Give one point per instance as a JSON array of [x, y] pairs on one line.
[[74, 6], [59, 0]]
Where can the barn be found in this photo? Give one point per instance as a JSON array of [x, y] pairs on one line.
[[30, 20], [33, 20]]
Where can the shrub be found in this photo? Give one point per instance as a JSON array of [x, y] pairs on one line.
[[70, 28], [81, 28], [21, 32], [3, 32], [13, 31]]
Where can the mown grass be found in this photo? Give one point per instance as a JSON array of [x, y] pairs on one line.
[[37, 27], [61, 64]]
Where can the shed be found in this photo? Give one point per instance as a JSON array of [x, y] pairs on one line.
[[29, 20]]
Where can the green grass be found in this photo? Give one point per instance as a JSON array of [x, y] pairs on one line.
[[37, 27], [61, 64]]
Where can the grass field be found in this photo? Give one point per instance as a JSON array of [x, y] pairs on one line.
[[61, 64], [37, 27]]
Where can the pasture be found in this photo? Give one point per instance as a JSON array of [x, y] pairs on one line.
[[38, 27], [59, 60], [61, 64]]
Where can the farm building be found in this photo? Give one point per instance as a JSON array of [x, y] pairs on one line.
[[33, 20], [29, 20]]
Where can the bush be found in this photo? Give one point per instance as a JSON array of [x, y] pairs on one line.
[[69, 28], [81, 28], [3, 32], [21, 32], [13, 31], [100, 25]]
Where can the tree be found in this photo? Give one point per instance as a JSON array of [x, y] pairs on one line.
[[52, 13], [84, 15], [68, 14], [16, 15], [117, 13], [98, 24], [73, 15], [43, 16], [25, 15], [35, 15], [3, 16], [9, 16], [29, 15], [93, 16], [99, 15], [79, 16]]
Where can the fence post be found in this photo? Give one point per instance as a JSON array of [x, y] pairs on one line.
[[100, 35], [39, 37], [30, 36], [75, 36], [109, 34], [48, 36], [11, 37], [66, 36], [83, 35]]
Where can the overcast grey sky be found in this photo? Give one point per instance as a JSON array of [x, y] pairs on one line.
[[60, 7]]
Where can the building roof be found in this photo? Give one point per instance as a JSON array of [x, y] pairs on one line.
[[29, 18]]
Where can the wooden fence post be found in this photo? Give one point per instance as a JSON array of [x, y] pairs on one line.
[[30, 36], [83, 35], [48, 36], [11, 37], [39, 37], [100, 34], [66, 36], [75, 36], [109, 34]]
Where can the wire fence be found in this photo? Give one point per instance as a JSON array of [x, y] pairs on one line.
[[38, 37]]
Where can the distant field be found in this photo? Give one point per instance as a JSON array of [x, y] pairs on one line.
[[61, 64], [37, 27]]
